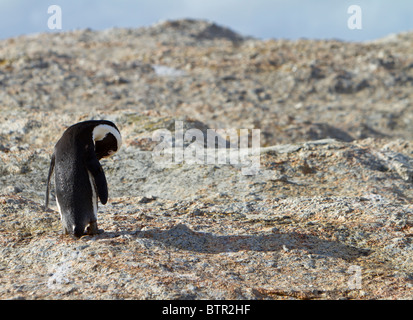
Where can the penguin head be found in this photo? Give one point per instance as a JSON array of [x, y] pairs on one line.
[[107, 139]]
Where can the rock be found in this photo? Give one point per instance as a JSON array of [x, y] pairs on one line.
[[11, 190], [330, 199]]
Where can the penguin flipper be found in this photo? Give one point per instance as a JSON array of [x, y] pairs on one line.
[[96, 170], [51, 168]]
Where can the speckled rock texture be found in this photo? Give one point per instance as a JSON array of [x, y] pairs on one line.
[[327, 215]]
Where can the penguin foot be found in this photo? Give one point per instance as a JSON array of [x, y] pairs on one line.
[[65, 231], [92, 229]]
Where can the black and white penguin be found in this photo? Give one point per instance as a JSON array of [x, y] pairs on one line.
[[79, 177]]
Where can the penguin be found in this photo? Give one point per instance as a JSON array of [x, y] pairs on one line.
[[79, 177]]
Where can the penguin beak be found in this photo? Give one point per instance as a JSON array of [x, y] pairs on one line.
[[109, 155]]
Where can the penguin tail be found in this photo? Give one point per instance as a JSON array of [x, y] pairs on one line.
[[51, 168]]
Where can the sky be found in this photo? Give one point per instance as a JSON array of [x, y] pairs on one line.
[[264, 19]]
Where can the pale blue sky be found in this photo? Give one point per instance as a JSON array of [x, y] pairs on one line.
[[291, 19]]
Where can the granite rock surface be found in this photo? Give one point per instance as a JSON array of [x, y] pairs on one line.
[[326, 214]]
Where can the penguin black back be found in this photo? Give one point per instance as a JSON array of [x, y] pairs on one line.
[[79, 177]]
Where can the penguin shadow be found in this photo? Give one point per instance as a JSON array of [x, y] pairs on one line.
[[184, 238]]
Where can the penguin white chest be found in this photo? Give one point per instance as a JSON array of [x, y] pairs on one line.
[[94, 194]]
